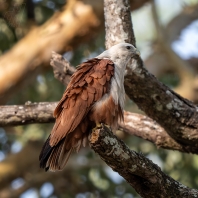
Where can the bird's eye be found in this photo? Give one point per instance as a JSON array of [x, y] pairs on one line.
[[128, 47]]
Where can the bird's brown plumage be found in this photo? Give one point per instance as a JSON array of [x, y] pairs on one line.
[[86, 102]]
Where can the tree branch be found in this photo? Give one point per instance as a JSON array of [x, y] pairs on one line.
[[12, 115], [62, 68], [134, 124], [177, 115], [63, 31], [143, 175], [171, 111], [147, 129], [118, 30]]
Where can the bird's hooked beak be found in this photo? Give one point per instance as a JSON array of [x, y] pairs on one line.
[[137, 52]]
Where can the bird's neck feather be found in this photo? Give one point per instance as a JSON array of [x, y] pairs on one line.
[[117, 84]]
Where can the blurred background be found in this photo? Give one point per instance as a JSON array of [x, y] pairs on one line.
[[167, 37]]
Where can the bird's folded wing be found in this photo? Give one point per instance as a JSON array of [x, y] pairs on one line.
[[87, 86]]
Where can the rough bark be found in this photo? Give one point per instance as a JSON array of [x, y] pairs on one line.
[[42, 112], [147, 129], [162, 104], [177, 115], [12, 115], [142, 174], [118, 22]]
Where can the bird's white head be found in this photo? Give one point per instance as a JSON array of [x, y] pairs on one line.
[[121, 52]]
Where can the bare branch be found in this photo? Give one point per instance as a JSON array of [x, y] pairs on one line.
[[142, 174], [62, 68], [12, 115], [181, 21], [177, 115], [146, 128]]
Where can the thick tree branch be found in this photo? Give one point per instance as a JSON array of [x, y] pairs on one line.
[[62, 32], [170, 110], [146, 128], [143, 175], [114, 11], [174, 106], [177, 115]]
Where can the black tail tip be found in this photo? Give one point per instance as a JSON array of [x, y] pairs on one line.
[[45, 154]]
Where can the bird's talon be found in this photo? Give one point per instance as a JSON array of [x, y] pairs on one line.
[[108, 126], [98, 125]]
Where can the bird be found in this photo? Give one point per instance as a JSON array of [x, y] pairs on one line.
[[94, 95]]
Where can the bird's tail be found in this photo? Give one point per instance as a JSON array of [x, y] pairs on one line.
[[55, 158]]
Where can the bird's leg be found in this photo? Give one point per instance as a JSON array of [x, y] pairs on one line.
[[108, 126], [98, 125]]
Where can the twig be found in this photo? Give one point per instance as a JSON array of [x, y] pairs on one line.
[[61, 68]]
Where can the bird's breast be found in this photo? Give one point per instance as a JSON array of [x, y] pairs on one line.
[[106, 111]]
